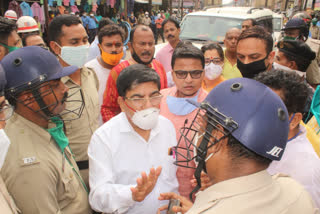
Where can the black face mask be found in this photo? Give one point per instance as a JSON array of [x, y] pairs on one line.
[[252, 69], [137, 58]]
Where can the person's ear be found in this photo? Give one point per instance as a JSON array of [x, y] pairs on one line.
[[120, 101], [130, 47], [216, 135], [271, 57], [295, 121], [293, 65], [55, 48]]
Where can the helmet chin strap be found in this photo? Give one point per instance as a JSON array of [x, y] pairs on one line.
[[201, 156]]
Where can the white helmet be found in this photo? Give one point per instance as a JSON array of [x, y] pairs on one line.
[[27, 24], [10, 14]]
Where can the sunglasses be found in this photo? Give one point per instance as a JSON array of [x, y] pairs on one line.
[[196, 74]]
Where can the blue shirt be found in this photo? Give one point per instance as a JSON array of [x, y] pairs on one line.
[[92, 23], [85, 20]]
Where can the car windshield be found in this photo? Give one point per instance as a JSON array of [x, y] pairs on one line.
[[276, 22], [203, 28]]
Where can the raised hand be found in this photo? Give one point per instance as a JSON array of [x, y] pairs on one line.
[[145, 184]]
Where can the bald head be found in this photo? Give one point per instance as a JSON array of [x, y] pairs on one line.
[[231, 39], [233, 30], [143, 28]]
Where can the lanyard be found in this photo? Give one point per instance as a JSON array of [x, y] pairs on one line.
[[65, 157]]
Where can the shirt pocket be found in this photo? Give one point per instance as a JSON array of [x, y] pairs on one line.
[[70, 185]]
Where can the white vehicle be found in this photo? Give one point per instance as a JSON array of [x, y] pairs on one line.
[[213, 23]]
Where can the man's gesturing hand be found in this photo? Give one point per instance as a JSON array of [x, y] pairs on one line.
[[145, 184]]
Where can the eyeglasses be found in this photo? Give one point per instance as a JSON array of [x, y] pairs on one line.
[[216, 61], [195, 74], [140, 102], [6, 112]]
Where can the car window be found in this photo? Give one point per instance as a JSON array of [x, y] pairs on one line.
[[207, 27]]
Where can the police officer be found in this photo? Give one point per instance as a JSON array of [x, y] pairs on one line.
[[40, 171], [234, 146], [297, 29], [7, 204]]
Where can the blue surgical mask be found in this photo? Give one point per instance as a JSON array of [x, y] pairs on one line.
[[180, 106], [75, 55]]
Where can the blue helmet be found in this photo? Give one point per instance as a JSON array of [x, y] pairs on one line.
[[297, 23], [28, 69], [3, 81], [244, 108]]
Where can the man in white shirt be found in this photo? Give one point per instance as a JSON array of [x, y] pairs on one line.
[[136, 140], [299, 160], [111, 38]]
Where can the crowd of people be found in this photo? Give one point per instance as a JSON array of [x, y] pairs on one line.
[[231, 129]]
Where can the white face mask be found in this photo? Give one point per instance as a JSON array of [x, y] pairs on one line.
[[277, 66], [212, 71], [4, 146], [146, 119], [195, 142], [75, 55]]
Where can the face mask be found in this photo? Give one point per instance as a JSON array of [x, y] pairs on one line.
[[10, 48], [180, 106], [111, 59], [137, 58], [277, 66], [212, 71], [252, 69], [58, 135], [290, 38], [4, 146], [91, 15], [75, 55], [146, 119]]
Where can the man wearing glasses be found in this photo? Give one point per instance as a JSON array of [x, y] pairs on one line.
[[188, 73], [136, 141]]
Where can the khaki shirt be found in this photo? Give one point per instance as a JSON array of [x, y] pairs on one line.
[[7, 205], [36, 173], [257, 193], [79, 131]]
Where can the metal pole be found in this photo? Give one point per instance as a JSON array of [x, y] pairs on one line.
[[46, 14]]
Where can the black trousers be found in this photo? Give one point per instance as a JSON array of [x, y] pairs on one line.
[[159, 31]]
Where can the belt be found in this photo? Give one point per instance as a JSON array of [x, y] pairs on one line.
[[83, 164]]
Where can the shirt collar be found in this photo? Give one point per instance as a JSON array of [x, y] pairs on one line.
[[30, 126], [232, 187], [84, 72]]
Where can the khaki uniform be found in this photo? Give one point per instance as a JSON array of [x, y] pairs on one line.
[[37, 175], [258, 193], [79, 131], [7, 205]]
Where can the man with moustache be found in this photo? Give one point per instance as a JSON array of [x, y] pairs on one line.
[[171, 29], [230, 69], [40, 171], [142, 49]]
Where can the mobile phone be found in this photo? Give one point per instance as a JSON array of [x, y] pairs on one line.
[[173, 202]]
